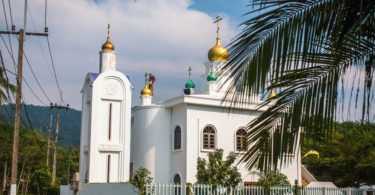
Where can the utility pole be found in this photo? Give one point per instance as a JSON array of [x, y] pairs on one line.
[[49, 140], [58, 108], [22, 33]]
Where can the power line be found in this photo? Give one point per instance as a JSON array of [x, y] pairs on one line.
[[10, 12], [54, 71], [7, 27], [31, 126], [10, 52], [36, 79]]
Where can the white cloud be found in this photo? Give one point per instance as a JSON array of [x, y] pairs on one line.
[[158, 36]]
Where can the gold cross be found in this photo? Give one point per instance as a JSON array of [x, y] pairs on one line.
[[217, 20], [108, 31]]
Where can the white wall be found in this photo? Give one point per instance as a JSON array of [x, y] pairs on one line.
[[151, 143], [109, 87]]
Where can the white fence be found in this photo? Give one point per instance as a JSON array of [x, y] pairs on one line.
[[188, 189]]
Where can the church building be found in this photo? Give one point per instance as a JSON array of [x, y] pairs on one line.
[[164, 137]]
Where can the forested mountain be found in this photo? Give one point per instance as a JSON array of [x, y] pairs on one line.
[[39, 117]]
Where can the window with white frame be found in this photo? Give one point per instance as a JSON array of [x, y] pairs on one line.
[[209, 138], [177, 138], [241, 140]]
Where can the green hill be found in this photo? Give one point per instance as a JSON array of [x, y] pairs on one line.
[[39, 116]]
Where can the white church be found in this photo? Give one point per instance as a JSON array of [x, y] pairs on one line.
[[165, 137]]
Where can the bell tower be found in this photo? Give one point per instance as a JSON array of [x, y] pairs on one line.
[[105, 125]]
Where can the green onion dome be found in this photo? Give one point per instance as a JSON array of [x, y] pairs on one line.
[[189, 84], [211, 77]]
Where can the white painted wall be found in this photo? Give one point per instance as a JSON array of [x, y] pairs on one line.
[[151, 143], [110, 87]]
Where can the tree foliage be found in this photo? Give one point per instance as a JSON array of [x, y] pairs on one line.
[[348, 159], [304, 50], [32, 158], [41, 179], [141, 178], [216, 171], [272, 179]]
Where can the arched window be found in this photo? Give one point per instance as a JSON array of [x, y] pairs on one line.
[[209, 138], [177, 138], [241, 140], [177, 179]]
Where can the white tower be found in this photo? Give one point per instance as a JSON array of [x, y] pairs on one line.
[[217, 56], [105, 125]]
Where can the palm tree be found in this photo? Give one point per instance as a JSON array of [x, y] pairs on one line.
[[308, 50]]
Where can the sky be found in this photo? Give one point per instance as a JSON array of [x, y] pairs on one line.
[[157, 36]]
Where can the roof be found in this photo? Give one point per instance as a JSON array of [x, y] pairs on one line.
[[321, 184], [92, 76], [205, 100]]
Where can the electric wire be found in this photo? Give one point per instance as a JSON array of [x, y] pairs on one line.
[[40, 44], [7, 27], [10, 13], [36, 79], [27, 84], [31, 126], [32, 91], [45, 14], [6, 77], [54, 71]]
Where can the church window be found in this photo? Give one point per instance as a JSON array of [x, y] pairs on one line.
[[177, 138], [108, 167], [177, 179], [209, 138], [241, 140], [110, 121]]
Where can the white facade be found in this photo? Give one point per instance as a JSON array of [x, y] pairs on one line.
[[105, 125], [153, 127], [116, 139]]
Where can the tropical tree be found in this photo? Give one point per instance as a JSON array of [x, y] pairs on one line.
[[140, 179], [319, 56], [216, 171], [273, 179]]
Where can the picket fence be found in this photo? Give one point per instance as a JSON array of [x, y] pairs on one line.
[[188, 189]]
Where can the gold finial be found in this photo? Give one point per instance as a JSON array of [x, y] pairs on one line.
[[108, 46], [146, 91], [218, 52]]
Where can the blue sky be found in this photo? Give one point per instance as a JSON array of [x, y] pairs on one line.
[[233, 8], [157, 36]]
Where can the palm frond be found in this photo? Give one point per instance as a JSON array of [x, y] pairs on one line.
[[301, 48]]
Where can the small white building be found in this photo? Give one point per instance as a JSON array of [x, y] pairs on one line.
[[105, 125], [166, 137]]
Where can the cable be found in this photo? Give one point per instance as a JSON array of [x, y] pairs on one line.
[[31, 126], [9, 52], [54, 71], [6, 77], [36, 79], [32, 91], [45, 14], [7, 27], [10, 12]]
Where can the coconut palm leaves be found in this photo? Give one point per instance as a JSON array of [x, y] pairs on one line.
[[302, 48]]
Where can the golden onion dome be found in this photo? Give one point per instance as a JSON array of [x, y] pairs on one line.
[[218, 52], [108, 45], [146, 91]]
